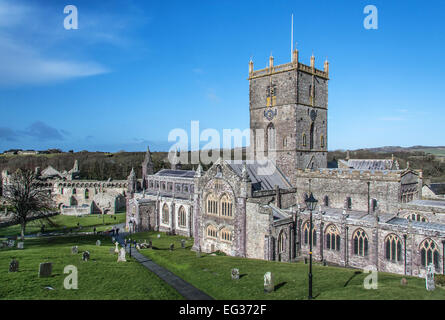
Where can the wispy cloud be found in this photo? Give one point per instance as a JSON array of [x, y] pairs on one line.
[[37, 130]]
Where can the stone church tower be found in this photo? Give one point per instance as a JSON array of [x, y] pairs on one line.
[[288, 115], [147, 168]]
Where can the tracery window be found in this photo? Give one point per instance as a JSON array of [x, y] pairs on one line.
[[182, 217], [322, 141], [212, 232], [306, 234], [361, 243], [212, 204], [226, 206], [304, 140], [429, 253], [332, 238], [226, 235], [165, 214], [416, 217], [393, 248], [281, 242], [87, 194]]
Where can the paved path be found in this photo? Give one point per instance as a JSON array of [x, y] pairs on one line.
[[184, 288]]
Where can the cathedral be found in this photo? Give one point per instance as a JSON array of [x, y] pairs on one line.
[[370, 213]]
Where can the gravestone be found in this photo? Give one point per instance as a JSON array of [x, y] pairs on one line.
[[75, 250], [20, 245], [403, 282], [86, 256], [11, 243], [268, 282], [98, 243], [172, 246], [429, 278], [182, 243], [45, 269], [198, 253], [116, 249], [121, 256], [235, 274], [159, 236], [14, 266]]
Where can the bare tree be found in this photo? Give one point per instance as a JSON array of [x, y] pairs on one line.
[[27, 198]]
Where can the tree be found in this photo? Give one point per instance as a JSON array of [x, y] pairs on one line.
[[27, 198]]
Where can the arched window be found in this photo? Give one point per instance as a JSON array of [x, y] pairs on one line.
[[271, 137], [311, 137], [281, 242], [226, 206], [348, 203], [285, 142], [393, 248], [212, 204], [61, 190], [165, 214], [304, 140], [373, 205], [429, 253], [74, 191], [332, 238], [361, 243], [211, 232], [306, 234], [322, 141], [87, 194], [226, 235], [326, 201], [182, 217]]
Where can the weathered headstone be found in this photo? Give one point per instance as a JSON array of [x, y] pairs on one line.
[[429, 278], [121, 257], [11, 243], [20, 245], [159, 236], [403, 282], [45, 269], [182, 243], [98, 243], [86, 256], [75, 250], [172, 246], [235, 274], [268, 282], [14, 266], [116, 249]]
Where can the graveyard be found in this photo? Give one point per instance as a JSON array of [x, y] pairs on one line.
[[99, 278]]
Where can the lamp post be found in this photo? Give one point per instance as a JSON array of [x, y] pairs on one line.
[[311, 203]]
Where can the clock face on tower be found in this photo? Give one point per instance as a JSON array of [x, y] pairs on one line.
[[313, 115]]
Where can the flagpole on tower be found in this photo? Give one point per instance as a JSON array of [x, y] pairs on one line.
[[292, 38]]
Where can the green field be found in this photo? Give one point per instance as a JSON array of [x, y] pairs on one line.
[[102, 277], [60, 221], [212, 274]]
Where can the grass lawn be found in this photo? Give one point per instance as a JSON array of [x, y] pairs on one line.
[[100, 278], [61, 221], [212, 274]]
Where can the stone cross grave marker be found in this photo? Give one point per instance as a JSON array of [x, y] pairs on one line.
[[429, 278], [116, 249], [75, 250], [86, 256], [98, 243], [20, 245], [14, 266], [45, 269], [182, 243], [121, 257], [235, 274], [268, 282]]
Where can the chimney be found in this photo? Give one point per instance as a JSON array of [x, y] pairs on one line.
[[295, 56], [312, 61], [326, 66], [271, 61], [250, 67]]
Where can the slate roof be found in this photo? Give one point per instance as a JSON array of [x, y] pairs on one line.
[[264, 175], [370, 164], [176, 173], [437, 188], [418, 224], [428, 203]]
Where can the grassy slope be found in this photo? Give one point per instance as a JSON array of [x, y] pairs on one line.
[[87, 223], [100, 278], [212, 275]]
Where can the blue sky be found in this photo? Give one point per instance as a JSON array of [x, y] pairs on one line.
[[134, 70]]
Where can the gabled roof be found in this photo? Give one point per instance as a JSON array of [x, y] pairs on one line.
[[264, 175], [50, 172], [437, 188], [370, 164]]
